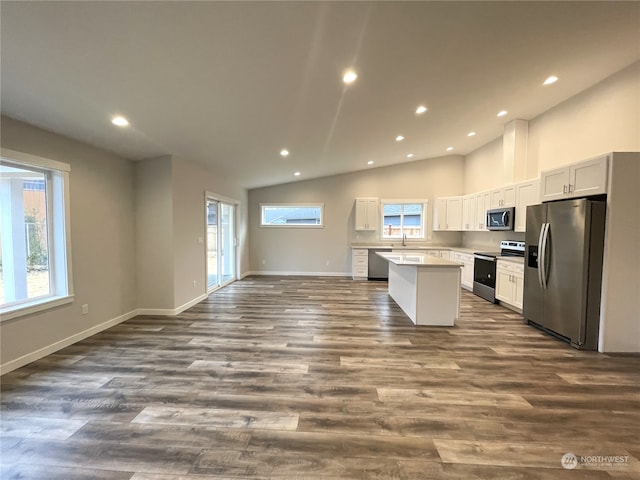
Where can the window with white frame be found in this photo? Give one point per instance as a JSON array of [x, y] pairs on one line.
[[404, 217], [35, 259], [292, 215]]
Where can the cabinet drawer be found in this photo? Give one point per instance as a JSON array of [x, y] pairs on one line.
[[360, 272], [360, 252], [510, 267], [360, 260]]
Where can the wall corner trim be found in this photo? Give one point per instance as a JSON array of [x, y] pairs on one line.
[[170, 312]]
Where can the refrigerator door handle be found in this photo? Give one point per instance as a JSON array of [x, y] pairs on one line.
[[540, 263], [543, 266]]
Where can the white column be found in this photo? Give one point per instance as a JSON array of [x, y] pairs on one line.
[[14, 239]]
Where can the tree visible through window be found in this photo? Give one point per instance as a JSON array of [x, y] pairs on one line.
[[399, 219]]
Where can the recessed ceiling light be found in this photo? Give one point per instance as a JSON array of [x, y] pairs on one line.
[[449, 149], [502, 113], [120, 121], [399, 138], [550, 80], [284, 152], [471, 134], [370, 162], [410, 155], [349, 77], [421, 109], [297, 174]]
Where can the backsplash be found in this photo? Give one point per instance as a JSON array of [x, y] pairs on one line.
[[489, 240]]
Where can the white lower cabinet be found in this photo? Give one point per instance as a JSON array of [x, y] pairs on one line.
[[466, 259], [359, 263], [510, 283]]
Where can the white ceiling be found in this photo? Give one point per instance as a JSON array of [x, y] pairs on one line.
[[229, 84]]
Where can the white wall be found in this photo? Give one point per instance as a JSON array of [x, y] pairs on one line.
[[620, 310], [170, 200], [190, 182], [154, 233], [103, 244], [602, 119], [327, 250], [134, 231]]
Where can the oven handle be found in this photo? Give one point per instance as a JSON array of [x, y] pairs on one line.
[[482, 257]]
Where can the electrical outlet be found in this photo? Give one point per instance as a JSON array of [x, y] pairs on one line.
[[194, 284], [264, 262], [85, 309]]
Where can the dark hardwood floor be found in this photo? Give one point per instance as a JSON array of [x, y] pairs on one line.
[[289, 377]]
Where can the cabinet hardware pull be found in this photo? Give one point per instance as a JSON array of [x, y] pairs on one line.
[[564, 189]]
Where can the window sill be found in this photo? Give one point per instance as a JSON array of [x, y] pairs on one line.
[[35, 306]]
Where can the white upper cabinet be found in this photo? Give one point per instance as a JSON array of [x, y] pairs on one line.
[[469, 213], [448, 214], [367, 213], [503, 197], [527, 193], [576, 180], [483, 200]]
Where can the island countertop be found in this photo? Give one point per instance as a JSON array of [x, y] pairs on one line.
[[417, 260]]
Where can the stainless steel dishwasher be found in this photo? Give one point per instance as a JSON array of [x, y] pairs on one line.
[[378, 266]]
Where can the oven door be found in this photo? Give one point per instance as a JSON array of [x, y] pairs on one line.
[[484, 277]]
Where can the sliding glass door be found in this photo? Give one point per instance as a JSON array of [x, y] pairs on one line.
[[221, 243]]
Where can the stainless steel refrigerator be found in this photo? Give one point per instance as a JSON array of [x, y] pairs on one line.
[[564, 245]]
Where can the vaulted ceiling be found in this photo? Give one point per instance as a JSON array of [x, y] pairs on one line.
[[230, 84]]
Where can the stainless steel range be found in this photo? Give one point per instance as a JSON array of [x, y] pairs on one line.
[[484, 268]]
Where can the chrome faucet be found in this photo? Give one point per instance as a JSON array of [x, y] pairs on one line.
[[404, 239]]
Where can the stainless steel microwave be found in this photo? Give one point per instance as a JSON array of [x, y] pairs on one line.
[[500, 218]]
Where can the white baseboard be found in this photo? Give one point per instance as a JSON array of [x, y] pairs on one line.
[[301, 274], [170, 312], [59, 345]]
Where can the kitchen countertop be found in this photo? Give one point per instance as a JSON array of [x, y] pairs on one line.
[[372, 246], [417, 260]]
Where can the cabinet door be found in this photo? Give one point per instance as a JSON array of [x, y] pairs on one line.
[[483, 200], [361, 214], [469, 212], [367, 214], [527, 193], [440, 214], [554, 184], [467, 274], [497, 197], [504, 288], [454, 213], [509, 196], [588, 178], [373, 214], [518, 290]]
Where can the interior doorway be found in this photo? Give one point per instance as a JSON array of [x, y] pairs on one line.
[[221, 243]]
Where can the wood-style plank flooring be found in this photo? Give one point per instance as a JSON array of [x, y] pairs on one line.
[[289, 377]]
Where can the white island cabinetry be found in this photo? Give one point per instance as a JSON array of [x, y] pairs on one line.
[[426, 288]]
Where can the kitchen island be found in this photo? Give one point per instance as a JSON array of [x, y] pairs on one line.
[[427, 288]]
